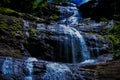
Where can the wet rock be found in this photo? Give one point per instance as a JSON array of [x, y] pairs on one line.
[[69, 14], [97, 45], [106, 71], [105, 58], [91, 26]]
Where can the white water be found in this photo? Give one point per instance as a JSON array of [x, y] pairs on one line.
[[69, 20], [84, 1], [26, 27], [57, 71], [90, 61], [29, 67], [74, 43], [7, 67], [84, 51], [96, 45]]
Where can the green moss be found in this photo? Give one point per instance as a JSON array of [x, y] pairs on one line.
[[10, 24], [114, 36], [47, 45], [3, 25], [99, 67], [10, 12], [32, 31], [103, 19], [54, 17], [47, 12], [86, 22], [13, 53]]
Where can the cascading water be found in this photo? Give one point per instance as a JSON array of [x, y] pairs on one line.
[[57, 71], [84, 51], [96, 45], [26, 27], [7, 67], [69, 15], [29, 67], [71, 46]]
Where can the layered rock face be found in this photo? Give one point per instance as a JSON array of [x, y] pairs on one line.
[[59, 42]]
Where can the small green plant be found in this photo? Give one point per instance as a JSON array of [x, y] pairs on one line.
[[32, 31], [98, 67], [10, 12], [115, 38], [86, 22], [103, 19]]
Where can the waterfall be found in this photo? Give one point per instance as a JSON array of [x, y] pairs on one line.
[[96, 44], [74, 19], [29, 67], [26, 27], [55, 71], [70, 46], [84, 51], [7, 67], [69, 15]]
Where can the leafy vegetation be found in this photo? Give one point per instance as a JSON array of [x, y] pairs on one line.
[[47, 11], [114, 35]]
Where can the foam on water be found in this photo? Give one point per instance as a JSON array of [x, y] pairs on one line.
[[7, 67], [57, 71]]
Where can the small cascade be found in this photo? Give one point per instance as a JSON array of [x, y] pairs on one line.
[[69, 15], [94, 49], [26, 27], [7, 67], [74, 19], [29, 67], [84, 51], [96, 45], [57, 71], [70, 46]]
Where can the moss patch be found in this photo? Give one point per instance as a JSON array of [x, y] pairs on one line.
[[32, 31], [7, 11], [114, 36], [12, 36]]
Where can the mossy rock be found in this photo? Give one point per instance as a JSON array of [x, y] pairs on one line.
[[10, 12], [32, 31], [113, 35], [12, 35]]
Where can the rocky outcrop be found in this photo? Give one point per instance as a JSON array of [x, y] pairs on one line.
[[12, 37], [97, 45], [55, 39], [91, 26], [16, 69], [68, 43], [108, 71]]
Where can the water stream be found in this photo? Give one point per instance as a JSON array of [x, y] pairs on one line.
[[56, 71], [7, 67], [29, 67]]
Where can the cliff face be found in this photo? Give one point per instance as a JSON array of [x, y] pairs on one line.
[[12, 37], [23, 36]]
